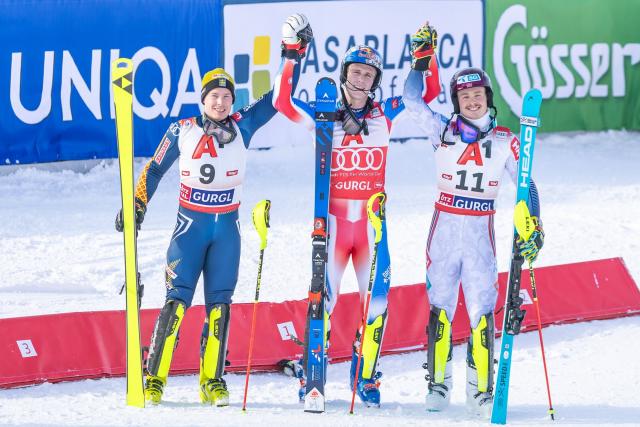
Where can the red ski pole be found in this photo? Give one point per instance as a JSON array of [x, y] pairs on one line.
[[544, 359]]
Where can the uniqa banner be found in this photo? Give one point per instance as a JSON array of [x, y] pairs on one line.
[[56, 101], [583, 55]]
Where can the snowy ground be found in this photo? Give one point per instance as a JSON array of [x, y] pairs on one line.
[[61, 253]]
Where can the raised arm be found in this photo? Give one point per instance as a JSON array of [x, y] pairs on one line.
[[296, 35], [423, 82], [256, 115]]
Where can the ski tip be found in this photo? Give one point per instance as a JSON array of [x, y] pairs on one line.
[[122, 65], [326, 80], [533, 95]]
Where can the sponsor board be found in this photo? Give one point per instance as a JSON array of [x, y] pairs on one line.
[[588, 72], [252, 56]]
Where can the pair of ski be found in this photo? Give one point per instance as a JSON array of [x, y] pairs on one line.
[[315, 343], [513, 314]]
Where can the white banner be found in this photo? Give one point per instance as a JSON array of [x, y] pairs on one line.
[[252, 48]]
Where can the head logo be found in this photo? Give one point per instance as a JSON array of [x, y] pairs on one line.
[[260, 79]]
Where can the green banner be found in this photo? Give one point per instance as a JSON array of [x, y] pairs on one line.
[[583, 55]]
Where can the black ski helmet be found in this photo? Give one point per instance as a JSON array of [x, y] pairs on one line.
[[363, 55], [470, 77]]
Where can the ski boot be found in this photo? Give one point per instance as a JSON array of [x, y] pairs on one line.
[[213, 349], [214, 392], [438, 396], [293, 368], [439, 351], [480, 363], [153, 388], [366, 388], [479, 403]]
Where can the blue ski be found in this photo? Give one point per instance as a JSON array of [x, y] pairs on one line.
[[513, 314], [315, 345]]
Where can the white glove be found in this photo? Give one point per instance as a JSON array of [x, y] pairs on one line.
[[294, 24]]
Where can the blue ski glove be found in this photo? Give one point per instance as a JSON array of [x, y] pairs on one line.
[[424, 43], [529, 249], [141, 209]]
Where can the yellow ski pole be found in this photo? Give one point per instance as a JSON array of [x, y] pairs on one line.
[[376, 222], [260, 216]]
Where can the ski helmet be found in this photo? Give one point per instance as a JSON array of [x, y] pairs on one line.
[[363, 55], [470, 77]]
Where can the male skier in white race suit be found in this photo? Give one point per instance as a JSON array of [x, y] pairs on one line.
[[471, 153]]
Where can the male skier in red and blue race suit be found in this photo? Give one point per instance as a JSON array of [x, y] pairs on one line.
[[212, 151], [358, 166], [472, 153]]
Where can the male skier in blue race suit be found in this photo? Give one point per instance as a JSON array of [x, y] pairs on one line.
[[212, 151]]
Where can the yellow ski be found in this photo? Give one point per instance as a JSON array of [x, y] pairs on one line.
[[122, 80]]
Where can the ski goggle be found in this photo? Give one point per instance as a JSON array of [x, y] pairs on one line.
[[351, 125], [222, 132], [469, 132]]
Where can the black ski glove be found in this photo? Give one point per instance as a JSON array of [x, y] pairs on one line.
[[141, 209]]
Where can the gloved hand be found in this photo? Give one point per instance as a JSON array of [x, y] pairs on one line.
[[141, 209], [424, 43], [529, 249], [296, 35]]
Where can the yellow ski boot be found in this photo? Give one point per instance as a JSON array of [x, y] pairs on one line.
[[214, 392], [153, 389]]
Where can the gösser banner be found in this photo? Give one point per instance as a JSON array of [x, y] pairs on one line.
[[582, 54]]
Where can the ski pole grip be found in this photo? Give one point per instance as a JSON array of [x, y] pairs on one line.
[[376, 219], [260, 216], [522, 220]]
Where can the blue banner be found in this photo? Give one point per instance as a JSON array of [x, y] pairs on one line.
[[55, 97]]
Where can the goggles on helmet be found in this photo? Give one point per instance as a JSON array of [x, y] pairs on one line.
[[223, 132]]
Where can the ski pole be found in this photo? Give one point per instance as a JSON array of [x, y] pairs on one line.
[[525, 226], [544, 359], [376, 222], [260, 216]]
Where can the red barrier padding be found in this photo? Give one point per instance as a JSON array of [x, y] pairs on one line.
[[75, 346]]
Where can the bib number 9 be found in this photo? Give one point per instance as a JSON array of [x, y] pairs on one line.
[[208, 173]]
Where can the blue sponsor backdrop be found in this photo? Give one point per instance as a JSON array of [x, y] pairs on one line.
[[55, 91]]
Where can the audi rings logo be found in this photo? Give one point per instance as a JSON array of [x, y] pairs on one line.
[[358, 159]]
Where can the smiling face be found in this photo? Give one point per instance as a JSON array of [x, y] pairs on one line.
[[473, 102], [360, 78], [218, 103]]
